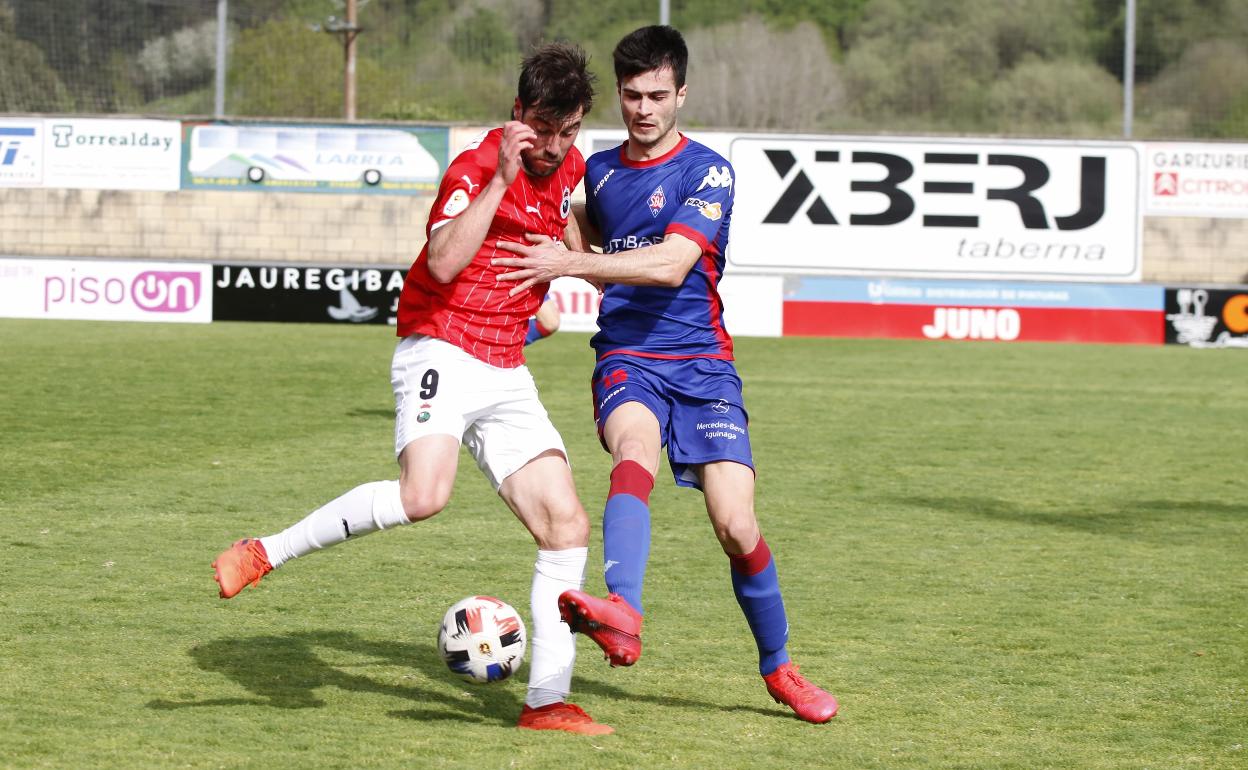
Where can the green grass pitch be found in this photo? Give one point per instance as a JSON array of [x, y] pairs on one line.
[[995, 555]]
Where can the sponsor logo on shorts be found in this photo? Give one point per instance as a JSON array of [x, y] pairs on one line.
[[610, 396], [423, 417], [721, 429], [720, 407]]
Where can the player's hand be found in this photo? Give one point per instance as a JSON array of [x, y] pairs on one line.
[[541, 261], [517, 137]]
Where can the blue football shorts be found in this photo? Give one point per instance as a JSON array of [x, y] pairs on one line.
[[697, 401]]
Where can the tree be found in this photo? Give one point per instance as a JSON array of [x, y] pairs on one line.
[[91, 43], [284, 69], [737, 82], [932, 64], [27, 83], [1203, 93]]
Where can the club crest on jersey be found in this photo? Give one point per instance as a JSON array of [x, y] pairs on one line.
[[565, 207], [657, 201]]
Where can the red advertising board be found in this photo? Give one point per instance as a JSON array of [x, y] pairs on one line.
[[974, 310], [848, 319]]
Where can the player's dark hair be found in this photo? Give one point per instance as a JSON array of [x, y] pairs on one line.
[[556, 80], [651, 48]]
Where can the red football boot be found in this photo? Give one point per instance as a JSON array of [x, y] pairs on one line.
[[795, 691], [611, 622], [239, 566], [561, 716]]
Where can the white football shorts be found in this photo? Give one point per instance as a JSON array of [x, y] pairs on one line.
[[494, 412]]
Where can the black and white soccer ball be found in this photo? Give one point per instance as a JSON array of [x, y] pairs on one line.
[[482, 639]]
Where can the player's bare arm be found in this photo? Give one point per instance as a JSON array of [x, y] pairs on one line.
[[590, 234], [452, 246], [580, 235], [663, 264], [574, 236]]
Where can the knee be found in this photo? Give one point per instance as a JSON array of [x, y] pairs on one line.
[[737, 534], [420, 503], [565, 528], [631, 449]]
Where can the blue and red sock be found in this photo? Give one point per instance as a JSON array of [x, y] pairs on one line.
[[536, 332], [626, 531], [757, 586]]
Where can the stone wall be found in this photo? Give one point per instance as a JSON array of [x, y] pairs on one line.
[[215, 226], [1195, 250], [227, 226]]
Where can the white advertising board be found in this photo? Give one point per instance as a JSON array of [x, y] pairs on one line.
[[21, 152], [578, 304], [107, 154], [171, 292], [753, 304], [1196, 180], [936, 208]]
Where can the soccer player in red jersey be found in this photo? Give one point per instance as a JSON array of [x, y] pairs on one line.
[[459, 376], [660, 206]]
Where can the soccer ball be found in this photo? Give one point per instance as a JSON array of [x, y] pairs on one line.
[[482, 639]]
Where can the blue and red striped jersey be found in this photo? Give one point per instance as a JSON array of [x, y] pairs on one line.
[[688, 191]]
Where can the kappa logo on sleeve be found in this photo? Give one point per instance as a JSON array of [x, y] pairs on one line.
[[716, 177]]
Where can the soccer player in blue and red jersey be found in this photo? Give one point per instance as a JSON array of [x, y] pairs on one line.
[[543, 323], [660, 206], [459, 377]]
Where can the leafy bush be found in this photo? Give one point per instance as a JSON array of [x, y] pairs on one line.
[[735, 82], [27, 83], [1057, 98]]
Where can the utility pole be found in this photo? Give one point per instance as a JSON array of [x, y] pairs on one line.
[[1128, 71], [347, 30], [218, 101]]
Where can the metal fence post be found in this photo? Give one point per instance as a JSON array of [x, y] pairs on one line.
[[218, 108], [1128, 71]]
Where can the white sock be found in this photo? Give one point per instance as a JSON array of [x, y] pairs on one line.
[[367, 508], [552, 645]]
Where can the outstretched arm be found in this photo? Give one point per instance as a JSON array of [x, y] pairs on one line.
[[663, 264], [453, 245]]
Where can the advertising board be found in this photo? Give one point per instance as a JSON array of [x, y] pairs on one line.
[[973, 310], [935, 208], [351, 295], [105, 290], [21, 152], [326, 159], [112, 154], [1196, 180], [1207, 318]]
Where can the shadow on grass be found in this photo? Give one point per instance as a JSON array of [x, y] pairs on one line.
[[1145, 519], [286, 671], [604, 690], [357, 412]]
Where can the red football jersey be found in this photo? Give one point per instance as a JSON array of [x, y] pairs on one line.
[[473, 311]]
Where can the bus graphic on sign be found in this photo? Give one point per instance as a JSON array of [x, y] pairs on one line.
[[312, 157]]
